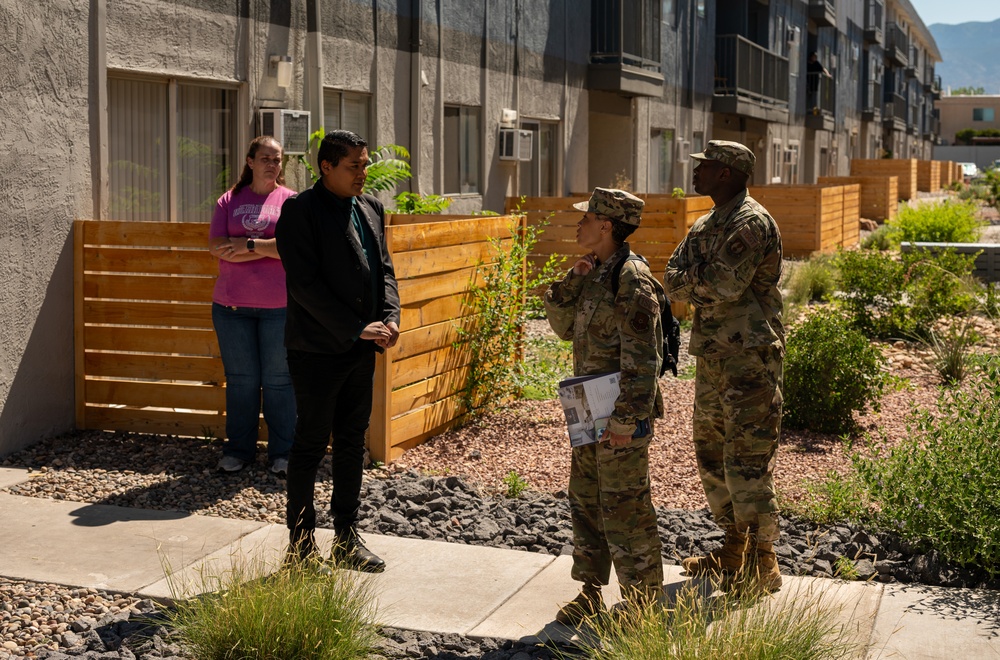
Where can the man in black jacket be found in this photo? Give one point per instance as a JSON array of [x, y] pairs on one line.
[[343, 306]]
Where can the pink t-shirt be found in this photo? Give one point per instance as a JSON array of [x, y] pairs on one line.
[[259, 283]]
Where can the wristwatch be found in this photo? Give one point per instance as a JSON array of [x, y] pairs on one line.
[[250, 245]]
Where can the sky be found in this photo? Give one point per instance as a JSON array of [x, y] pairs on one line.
[[956, 11]]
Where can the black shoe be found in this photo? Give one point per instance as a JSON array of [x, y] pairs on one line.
[[349, 551], [303, 553]]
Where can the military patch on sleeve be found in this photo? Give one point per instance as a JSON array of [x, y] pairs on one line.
[[648, 303], [640, 322], [740, 246]]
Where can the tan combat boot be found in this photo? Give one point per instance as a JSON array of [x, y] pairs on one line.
[[727, 560], [587, 604], [760, 575]]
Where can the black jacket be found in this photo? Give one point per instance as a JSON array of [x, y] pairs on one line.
[[327, 274]]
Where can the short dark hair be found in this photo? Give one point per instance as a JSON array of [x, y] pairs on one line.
[[620, 231], [336, 144]]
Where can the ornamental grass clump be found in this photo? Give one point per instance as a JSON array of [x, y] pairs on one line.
[[795, 624], [939, 486], [813, 280], [831, 370], [944, 222], [296, 613]]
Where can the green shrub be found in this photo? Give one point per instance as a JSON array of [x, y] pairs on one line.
[[835, 498], [831, 370], [295, 613], [881, 239], [814, 280], [940, 485], [945, 222], [888, 297], [950, 350], [416, 204], [515, 483]]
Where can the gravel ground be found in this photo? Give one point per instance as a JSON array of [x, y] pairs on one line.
[[446, 489]]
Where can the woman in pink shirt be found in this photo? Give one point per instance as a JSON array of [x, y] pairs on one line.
[[248, 311]]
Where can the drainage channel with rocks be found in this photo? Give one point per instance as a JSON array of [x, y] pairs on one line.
[[93, 624]]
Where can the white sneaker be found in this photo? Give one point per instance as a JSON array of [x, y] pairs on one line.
[[231, 464], [279, 467]]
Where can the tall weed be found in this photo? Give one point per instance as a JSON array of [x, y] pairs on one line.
[[940, 485], [814, 280]]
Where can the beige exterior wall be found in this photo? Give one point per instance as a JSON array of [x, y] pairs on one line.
[[957, 114]]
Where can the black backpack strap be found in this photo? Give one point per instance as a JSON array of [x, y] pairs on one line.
[[671, 326], [616, 272]]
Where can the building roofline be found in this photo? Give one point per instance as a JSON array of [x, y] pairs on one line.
[[918, 23]]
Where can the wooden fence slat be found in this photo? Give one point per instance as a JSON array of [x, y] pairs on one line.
[[436, 260], [456, 282], [179, 288], [429, 312], [403, 238], [188, 315], [427, 338], [164, 422], [429, 391], [426, 365], [184, 341], [145, 260], [154, 367], [424, 420], [148, 234], [157, 394]]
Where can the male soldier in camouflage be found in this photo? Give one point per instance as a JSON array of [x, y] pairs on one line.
[[728, 268], [613, 517]]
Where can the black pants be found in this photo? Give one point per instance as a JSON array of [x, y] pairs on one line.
[[333, 394]]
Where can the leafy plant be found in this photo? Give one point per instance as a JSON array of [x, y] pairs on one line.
[[939, 485], [813, 280], [831, 370], [295, 613], [417, 204], [389, 164], [844, 569], [881, 239], [677, 193], [496, 310], [515, 483], [888, 297], [945, 222]]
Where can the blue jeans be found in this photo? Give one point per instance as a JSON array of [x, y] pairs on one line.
[[252, 342]]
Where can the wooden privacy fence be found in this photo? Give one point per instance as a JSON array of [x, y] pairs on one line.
[[665, 222], [147, 359], [879, 197], [812, 218], [906, 170], [928, 175]]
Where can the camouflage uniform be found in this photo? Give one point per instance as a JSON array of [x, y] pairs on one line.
[[612, 511], [728, 268]]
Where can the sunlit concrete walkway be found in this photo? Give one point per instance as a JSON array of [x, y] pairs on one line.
[[431, 585]]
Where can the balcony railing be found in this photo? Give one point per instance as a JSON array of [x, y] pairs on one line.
[[821, 100], [823, 12], [897, 45], [874, 13], [744, 69], [871, 105], [894, 108], [625, 32]]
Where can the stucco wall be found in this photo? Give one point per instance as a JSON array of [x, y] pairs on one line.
[[45, 185]]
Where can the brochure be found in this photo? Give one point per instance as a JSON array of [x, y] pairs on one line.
[[588, 403]]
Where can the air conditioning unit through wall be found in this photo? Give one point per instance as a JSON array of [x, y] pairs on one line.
[[515, 144], [291, 128]]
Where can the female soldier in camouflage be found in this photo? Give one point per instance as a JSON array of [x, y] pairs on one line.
[[612, 511]]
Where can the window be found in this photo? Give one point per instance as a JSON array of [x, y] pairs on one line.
[[791, 174], [461, 150], [349, 111], [661, 160], [537, 177], [701, 8], [698, 142], [668, 12], [170, 149], [982, 114], [777, 161]]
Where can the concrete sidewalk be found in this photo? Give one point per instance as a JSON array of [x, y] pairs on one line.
[[430, 585]]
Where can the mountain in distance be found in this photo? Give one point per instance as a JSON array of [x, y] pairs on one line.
[[970, 53]]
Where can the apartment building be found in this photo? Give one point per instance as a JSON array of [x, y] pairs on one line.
[[125, 110]]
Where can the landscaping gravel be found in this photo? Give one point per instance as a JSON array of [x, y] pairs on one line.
[[89, 623]]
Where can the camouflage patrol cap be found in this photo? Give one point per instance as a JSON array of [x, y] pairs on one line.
[[615, 204], [733, 154]]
